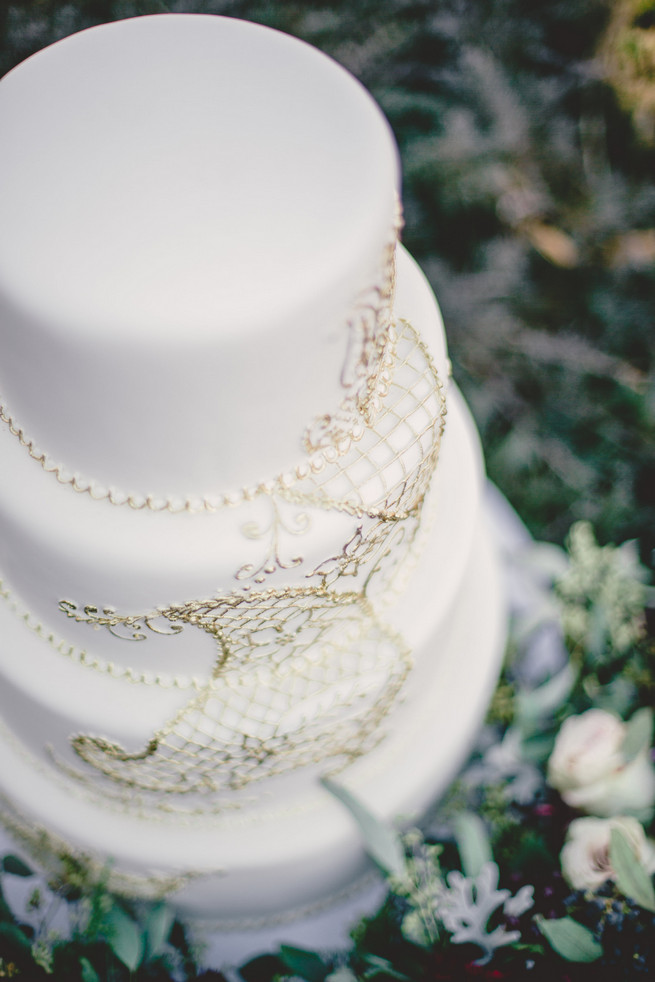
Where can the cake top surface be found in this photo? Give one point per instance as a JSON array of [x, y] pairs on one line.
[[185, 172]]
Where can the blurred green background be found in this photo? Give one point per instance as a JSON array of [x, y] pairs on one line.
[[527, 135]]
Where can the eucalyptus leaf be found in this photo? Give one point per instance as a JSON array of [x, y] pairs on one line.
[[639, 734], [597, 632], [630, 876], [472, 842], [343, 974], [548, 559], [382, 842], [537, 748], [307, 964], [158, 927], [543, 613], [380, 966], [629, 551], [124, 937], [545, 699], [16, 866], [571, 940], [11, 934], [88, 972], [617, 697]]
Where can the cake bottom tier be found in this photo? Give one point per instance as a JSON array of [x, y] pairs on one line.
[[296, 848]]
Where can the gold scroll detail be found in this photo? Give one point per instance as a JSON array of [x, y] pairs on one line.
[[136, 627], [273, 560]]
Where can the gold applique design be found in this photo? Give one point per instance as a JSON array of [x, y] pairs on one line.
[[303, 673], [301, 676]]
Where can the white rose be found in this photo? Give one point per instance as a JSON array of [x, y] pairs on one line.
[[588, 768], [585, 857]]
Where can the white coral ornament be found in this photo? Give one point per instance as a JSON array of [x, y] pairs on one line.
[[467, 904]]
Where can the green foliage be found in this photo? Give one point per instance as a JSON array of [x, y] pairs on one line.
[[382, 842], [528, 200], [110, 941], [306, 964], [500, 823], [15, 866], [472, 842], [631, 878], [571, 940]]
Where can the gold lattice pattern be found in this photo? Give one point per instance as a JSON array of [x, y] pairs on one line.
[[299, 678]]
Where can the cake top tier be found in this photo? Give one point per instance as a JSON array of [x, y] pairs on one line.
[[189, 208]]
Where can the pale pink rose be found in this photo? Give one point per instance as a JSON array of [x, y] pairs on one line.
[[585, 857], [588, 768]]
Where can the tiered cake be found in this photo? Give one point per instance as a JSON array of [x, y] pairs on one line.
[[241, 535]]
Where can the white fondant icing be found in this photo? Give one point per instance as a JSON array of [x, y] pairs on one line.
[[211, 205], [211, 193]]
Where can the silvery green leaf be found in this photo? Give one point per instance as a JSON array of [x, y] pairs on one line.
[[380, 966], [617, 697], [124, 937], [473, 843], [546, 698], [158, 927], [17, 939], [88, 972], [307, 964], [548, 559], [525, 625], [343, 974], [16, 866], [631, 878], [598, 631], [638, 735], [571, 940], [413, 929], [629, 553], [537, 748], [382, 842]]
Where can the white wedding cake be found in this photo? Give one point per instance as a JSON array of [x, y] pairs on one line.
[[242, 540]]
